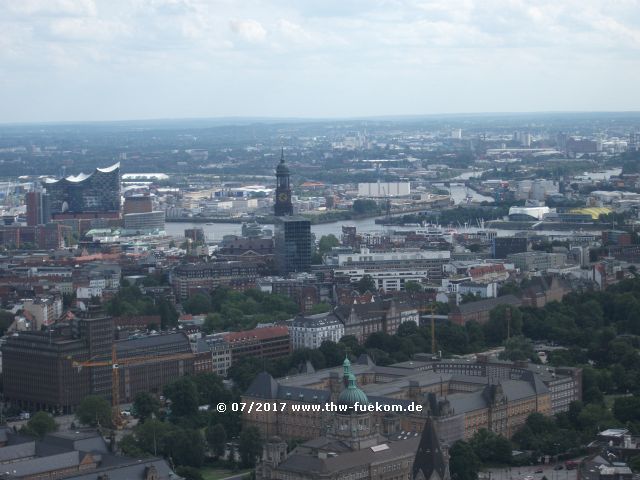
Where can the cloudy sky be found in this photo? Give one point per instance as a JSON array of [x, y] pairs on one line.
[[67, 60]]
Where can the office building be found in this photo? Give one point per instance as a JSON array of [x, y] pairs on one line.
[[262, 342], [137, 204], [39, 371], [38, 208], [537, 261], [145, 222], [503, 246], [311, 330], [95, 195], [293, 244], [205, 276]]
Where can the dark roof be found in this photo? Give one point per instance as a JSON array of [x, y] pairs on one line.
[[132, 470], [316, 321], [86, 441], [171, 342], [429, 457], [263, 386], [488, 304]]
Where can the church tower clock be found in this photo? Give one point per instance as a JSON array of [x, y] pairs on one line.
[[283, 206]]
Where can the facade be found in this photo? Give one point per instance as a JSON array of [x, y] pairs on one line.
[[384, 189], [38, 208], [47, 237], [144, 222], [293, 244], [98, 192], [196, 235], [45, 310], [503, 246], [209, 275], [363, 319], [539, 261], [310, 331], [461, 397], [220, 352], [39, 371], [265, 342], [353, 446], [137, 204], [480, 310]]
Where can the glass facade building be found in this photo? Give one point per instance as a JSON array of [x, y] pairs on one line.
[[98, 192]]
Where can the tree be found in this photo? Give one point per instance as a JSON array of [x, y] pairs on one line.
[[145, 405], [6, 319], [365, 207], [217, 439], [189, 473], [366, 284], [197, 304], [186, 447], [491, 447], [407, 328], [184, 397], [210, 388], [327, 242], [94, 410], [412, 287], [518, 348], [503, 320], [321, 307], [153, 436], [129, 447], [41, 424], [212, 322], [250, 446], [463, 461], [627, 409]]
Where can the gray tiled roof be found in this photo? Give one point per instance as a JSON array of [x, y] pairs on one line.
[[488, 304]]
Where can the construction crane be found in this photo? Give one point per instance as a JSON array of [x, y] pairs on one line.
[[116, 364]]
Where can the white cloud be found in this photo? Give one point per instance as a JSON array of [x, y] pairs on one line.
[[249, 30], [355, 46]]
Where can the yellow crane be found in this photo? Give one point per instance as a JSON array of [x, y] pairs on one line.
[[115, 365]]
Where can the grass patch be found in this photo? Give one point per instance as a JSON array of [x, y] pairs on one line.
[[210, 473]]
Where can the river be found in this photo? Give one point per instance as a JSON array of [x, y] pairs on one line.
[[216, 231]]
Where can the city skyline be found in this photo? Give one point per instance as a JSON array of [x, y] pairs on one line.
[[99, 61]]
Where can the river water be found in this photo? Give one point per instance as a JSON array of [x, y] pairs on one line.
[[216, 231]]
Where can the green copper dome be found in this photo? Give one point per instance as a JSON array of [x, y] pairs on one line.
[[352, 394]]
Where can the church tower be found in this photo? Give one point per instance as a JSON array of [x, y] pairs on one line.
[[283, 206]]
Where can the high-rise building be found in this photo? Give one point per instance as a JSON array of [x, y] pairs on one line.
[[137, 204], [292, 234], [283, 205], [38, 208], [292, 244], [93, 195], [503, 246]]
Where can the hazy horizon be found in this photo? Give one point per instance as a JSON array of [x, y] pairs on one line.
[[272, 119], [74, 61]]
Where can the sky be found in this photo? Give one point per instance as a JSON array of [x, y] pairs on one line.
[[92, 60]]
